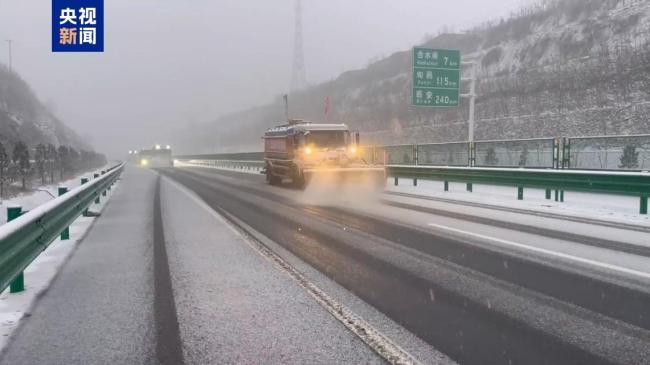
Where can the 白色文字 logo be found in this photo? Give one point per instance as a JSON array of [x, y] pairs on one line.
[[77, 25]]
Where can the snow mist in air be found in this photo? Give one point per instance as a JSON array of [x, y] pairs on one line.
[[343, 190]]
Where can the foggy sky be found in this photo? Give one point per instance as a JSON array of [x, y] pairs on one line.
[[169, 62]]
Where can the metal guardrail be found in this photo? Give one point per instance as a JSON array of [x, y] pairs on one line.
[[241, 156], [230, 164], [25, 237], [606, 182]]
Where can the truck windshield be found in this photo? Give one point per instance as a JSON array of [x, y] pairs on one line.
[[327, 139]]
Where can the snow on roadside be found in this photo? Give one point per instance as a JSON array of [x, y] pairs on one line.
[[40, 273], [32, 199], [612, 208]]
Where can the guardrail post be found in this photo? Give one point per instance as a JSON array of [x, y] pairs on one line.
[[446, 185], [548, 193], [559, 196], [415, 154], [18, 284], [96, 175], [13, 212], [643, 207], [469, 187], [415, 182], [83, 181], [556, 153], [396, 181], [65, 234], [472, 154], [566, 153], [520, 193]]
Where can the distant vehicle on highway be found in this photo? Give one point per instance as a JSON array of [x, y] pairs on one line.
[[158, 156], [301, 150]]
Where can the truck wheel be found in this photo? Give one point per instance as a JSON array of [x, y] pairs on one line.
[[299, 181], [272, 179]]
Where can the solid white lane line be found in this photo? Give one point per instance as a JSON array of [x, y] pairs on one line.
[[565, 256]]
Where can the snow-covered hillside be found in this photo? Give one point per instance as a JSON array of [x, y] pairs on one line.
[[23, 117], [558, 68]]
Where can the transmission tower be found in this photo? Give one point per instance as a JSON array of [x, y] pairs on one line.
[[298, 79], [9, 41]]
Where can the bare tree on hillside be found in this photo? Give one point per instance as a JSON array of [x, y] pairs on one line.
[[63, 158], [52, 160], [21, 160], [4, 168], [40, 158]]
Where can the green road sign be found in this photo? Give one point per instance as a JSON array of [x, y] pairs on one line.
[[435, 97], [436, 77], [436, 58]]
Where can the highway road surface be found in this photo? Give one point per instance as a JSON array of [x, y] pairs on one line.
[[443, 282]]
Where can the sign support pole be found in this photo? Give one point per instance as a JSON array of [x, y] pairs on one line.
[[286, 106], [472, 103], [472, 109], [9, 41]]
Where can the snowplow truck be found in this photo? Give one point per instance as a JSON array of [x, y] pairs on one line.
[[301, 151]]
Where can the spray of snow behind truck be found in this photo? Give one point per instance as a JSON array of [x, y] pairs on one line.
[[305, 152]]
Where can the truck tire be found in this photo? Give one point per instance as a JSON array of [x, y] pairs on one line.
[[299, 182], [298, 179], [272, 179]]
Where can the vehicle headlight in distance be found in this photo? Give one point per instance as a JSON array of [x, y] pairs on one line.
[[144, 162], [308, 150], [353, 150]]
